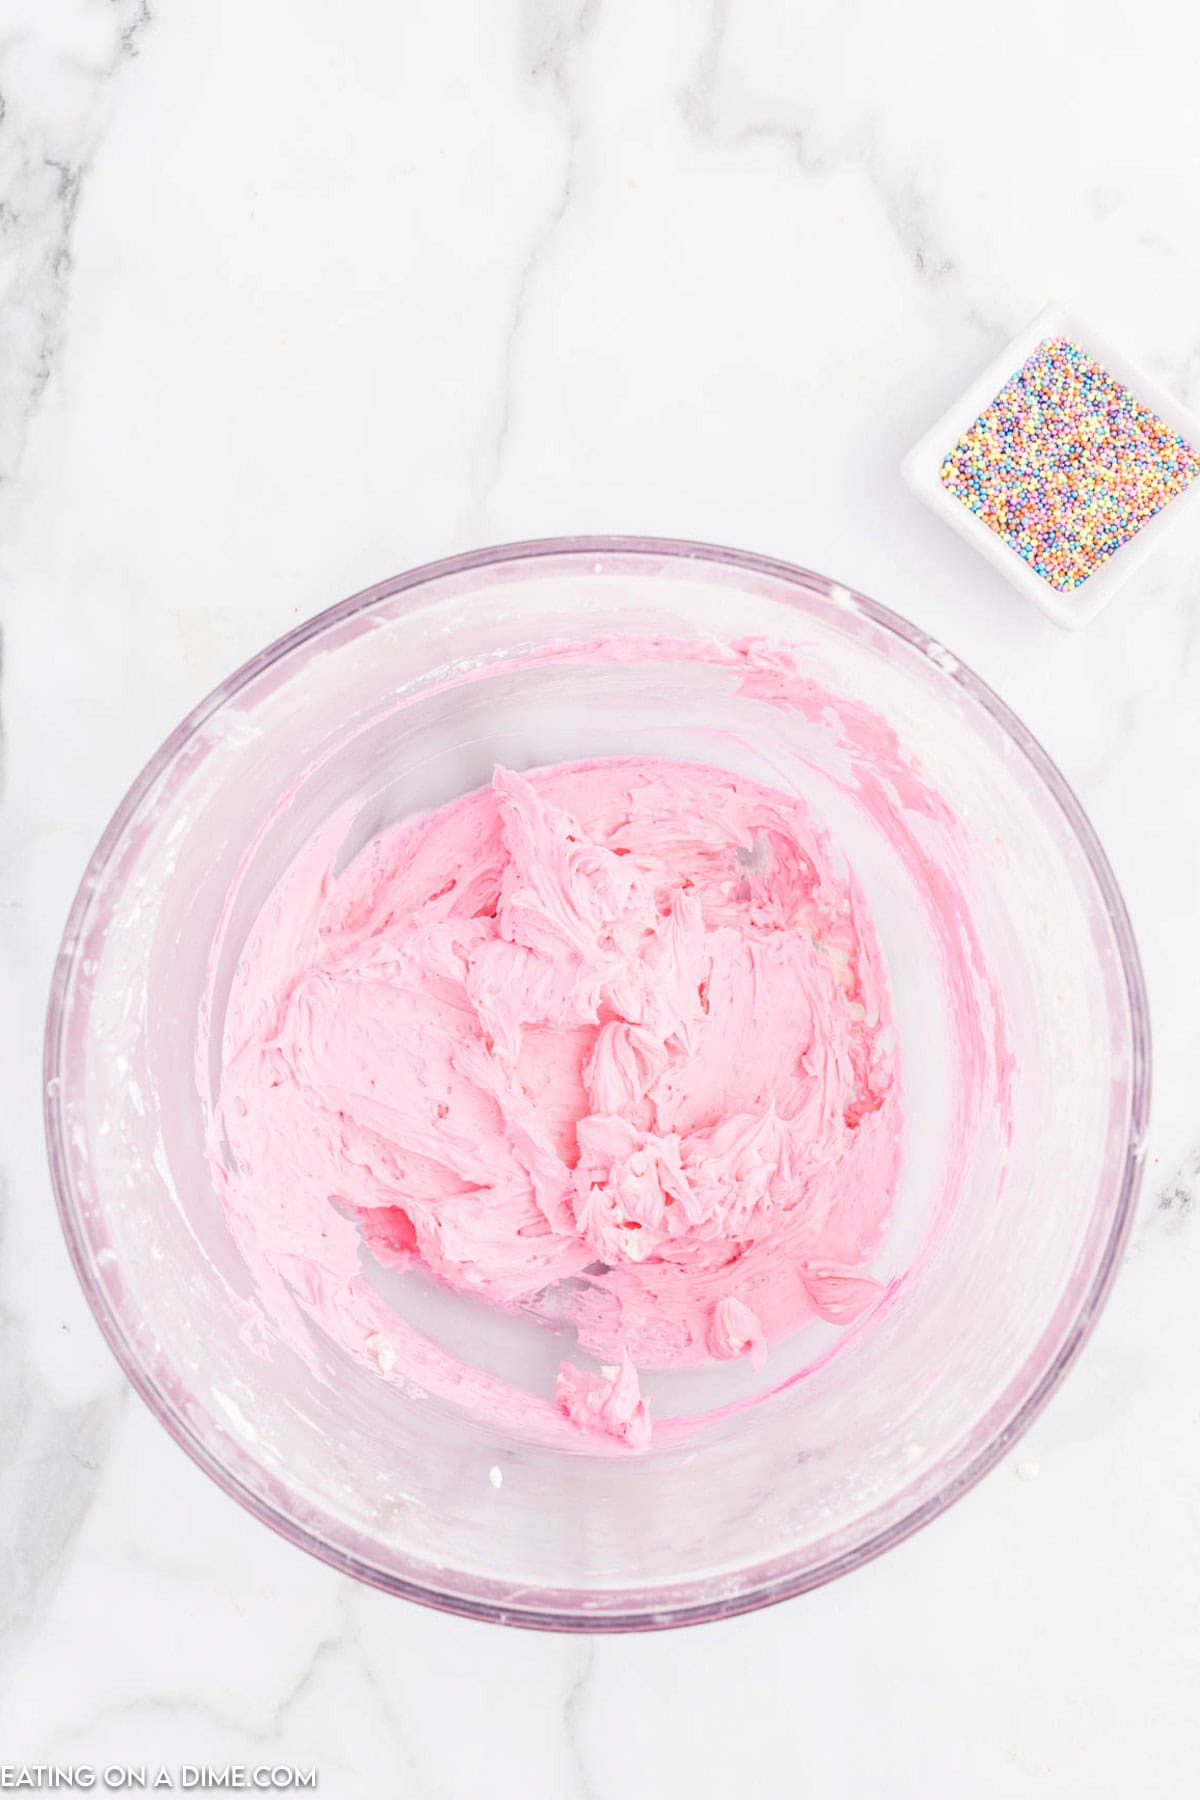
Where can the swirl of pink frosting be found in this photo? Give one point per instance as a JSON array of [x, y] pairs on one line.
[[621, 1025]]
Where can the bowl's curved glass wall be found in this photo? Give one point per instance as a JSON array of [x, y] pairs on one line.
[[399, 700]]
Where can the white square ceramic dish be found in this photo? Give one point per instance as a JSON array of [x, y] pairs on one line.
[[923, 465]]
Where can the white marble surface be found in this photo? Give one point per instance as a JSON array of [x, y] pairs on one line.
[[298, 294]]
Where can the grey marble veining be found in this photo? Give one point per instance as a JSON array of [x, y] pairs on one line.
[[57, 70]]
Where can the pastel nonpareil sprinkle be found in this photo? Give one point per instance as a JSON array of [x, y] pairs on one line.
[[1067, 464]]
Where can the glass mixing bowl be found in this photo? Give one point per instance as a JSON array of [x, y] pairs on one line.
[[766, 1484]]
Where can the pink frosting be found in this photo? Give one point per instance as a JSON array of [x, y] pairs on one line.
[[621, 1026], [735, 1330], [609, 1402]]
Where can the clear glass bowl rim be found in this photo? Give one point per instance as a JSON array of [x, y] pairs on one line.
[[774, 1587]]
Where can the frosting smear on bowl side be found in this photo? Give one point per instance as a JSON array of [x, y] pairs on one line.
[[607, 1042]]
